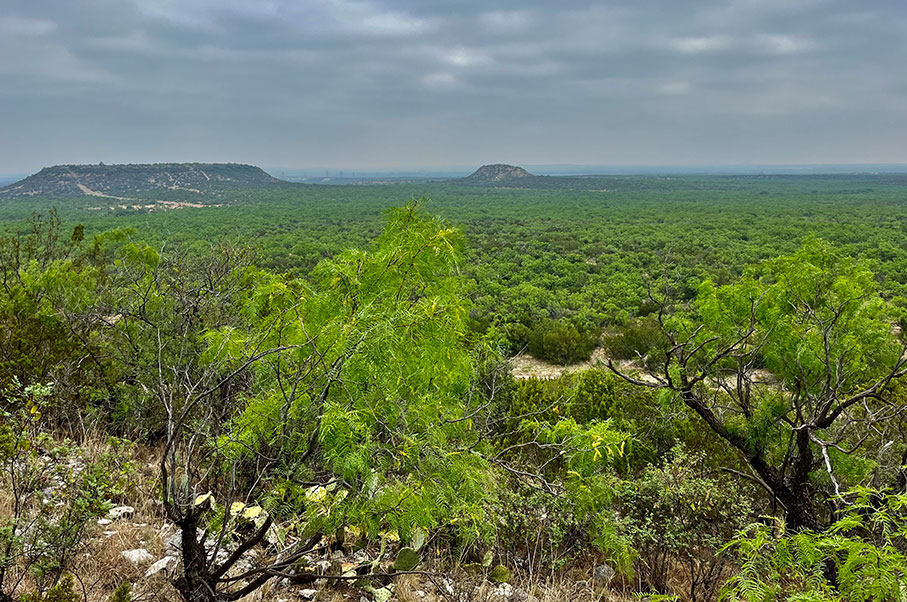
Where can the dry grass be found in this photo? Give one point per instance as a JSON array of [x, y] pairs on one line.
[[103, 564], [408, 588], [98, 566]]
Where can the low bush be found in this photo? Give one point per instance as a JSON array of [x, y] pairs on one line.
[[640, 339], [561, 342], [677, 518]]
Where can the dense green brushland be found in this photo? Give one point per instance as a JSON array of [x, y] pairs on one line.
[[312, 372], [584, 252]]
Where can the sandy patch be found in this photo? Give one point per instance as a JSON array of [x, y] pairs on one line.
[[525, 366]]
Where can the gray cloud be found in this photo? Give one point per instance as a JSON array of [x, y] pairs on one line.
[[362, 83]]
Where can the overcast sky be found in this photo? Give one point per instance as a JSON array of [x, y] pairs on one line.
[[369, 84]]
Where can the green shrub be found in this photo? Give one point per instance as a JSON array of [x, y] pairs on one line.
[[641, 338], [517, 337], [537, 398], [598, 394], [499, 574], [561, 342], [64, 591], [49, 282], [540, 531], [676, 517], [122, 594]]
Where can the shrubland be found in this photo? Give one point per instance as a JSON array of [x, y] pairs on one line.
[[581, 253], [354, 422]]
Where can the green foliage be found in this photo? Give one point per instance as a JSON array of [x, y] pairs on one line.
[[64, 591], [599, 394], [384, 409], [539, 399], [585, 447], [123, 593], [380, 340], [49, 282], [581, 249], [807, 301], [579, 462], [781, 363], [639, 339], [861, 557], [499, 574], [170, 312], [407, 559], [532, 519], [560, 341], [671, 513]]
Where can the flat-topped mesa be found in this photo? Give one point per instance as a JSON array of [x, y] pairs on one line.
[[498, 172], [127, 180]]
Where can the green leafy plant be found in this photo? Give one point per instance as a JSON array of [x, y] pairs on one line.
[[640, 339], [860, 557]]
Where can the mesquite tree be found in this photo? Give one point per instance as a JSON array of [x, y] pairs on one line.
[[794, 366], [329, 401]]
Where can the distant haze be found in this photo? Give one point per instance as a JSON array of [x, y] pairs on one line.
[[457, 171], [375, 84]]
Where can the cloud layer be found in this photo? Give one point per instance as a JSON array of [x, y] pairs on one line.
[[359, 83]]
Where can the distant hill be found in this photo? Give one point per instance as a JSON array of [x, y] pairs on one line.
[[498, 172], [135, 181], [501, 175]]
